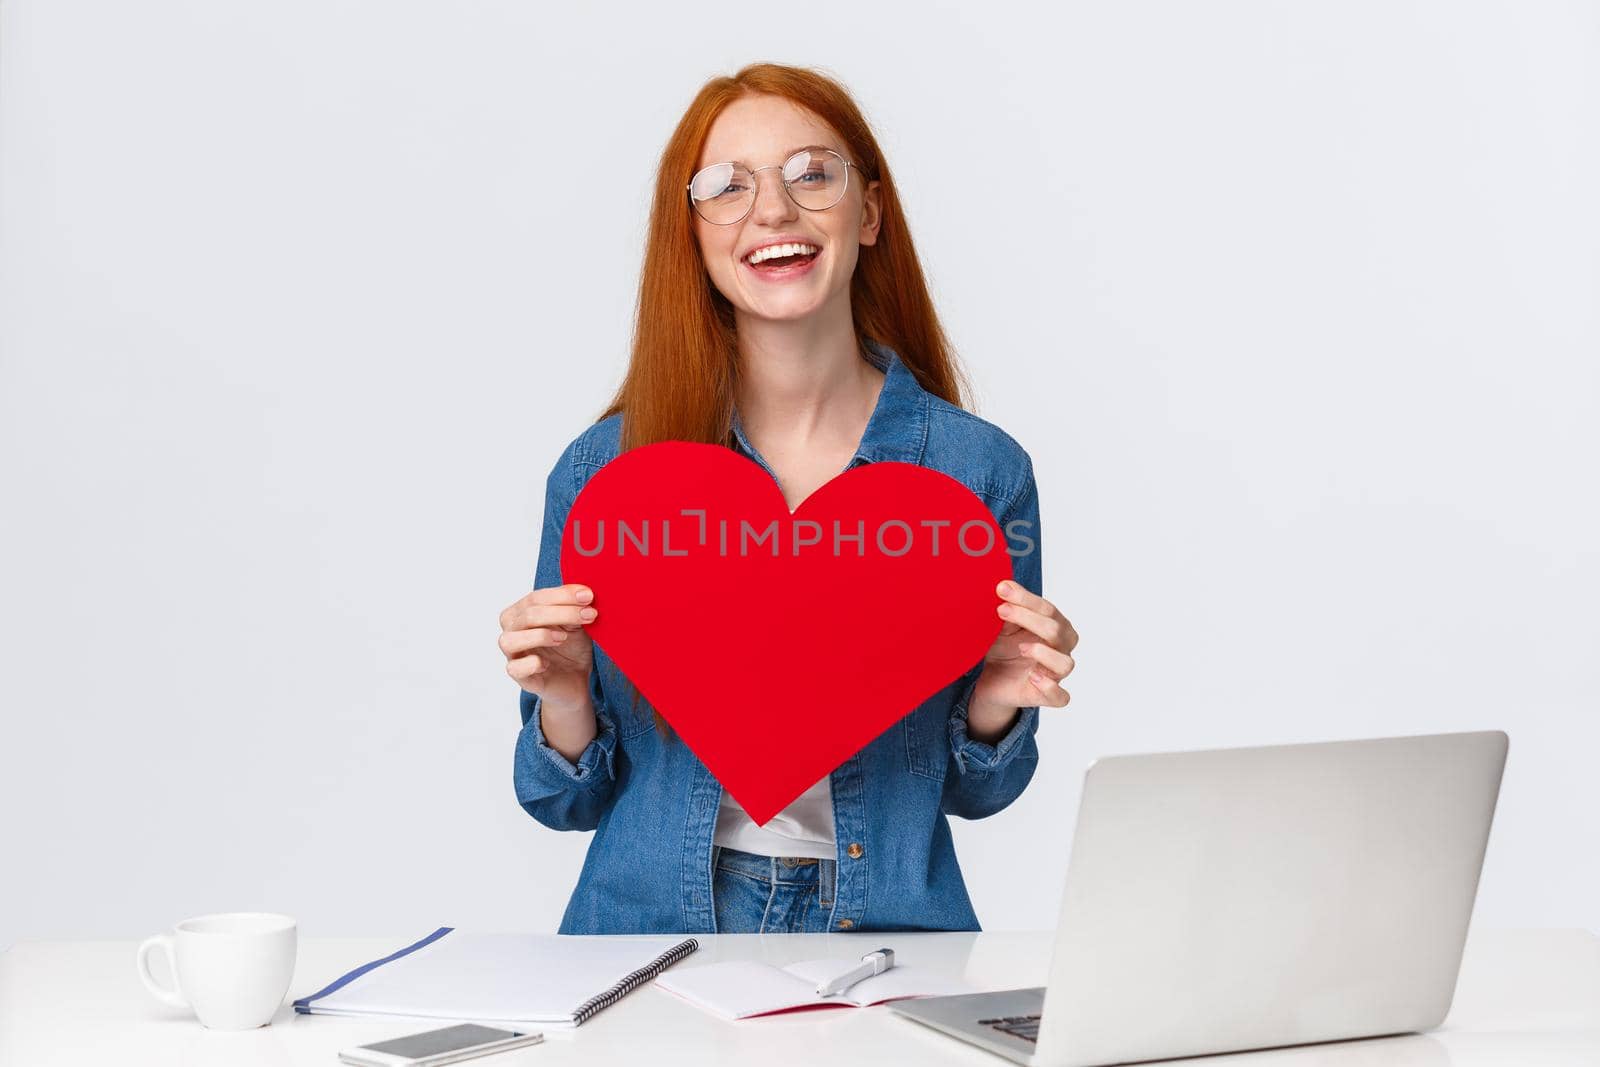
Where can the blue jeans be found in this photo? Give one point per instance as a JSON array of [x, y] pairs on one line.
[[754, 894]]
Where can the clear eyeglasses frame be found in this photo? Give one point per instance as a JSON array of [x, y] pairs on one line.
[[722, 201]]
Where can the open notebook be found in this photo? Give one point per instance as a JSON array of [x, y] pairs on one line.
[[552, 979], [738, 989]]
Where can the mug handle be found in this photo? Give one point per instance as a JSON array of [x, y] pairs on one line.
[[165, 943]]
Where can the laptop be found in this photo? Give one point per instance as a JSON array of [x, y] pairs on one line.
[[1251, 898]]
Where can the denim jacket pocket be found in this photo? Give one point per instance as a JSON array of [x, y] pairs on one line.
[[631, 719], [927, 740]]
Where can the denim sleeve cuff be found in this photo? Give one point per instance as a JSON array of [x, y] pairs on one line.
[[980, 756], [595, 762]]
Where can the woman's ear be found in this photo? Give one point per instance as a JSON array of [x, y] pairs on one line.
[[871, 214]]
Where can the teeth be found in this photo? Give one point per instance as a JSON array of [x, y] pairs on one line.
[[761, 255]]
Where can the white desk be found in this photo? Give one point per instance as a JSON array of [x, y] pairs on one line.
[[1525, 999]]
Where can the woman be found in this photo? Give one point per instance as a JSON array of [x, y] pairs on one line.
[[782, 313]]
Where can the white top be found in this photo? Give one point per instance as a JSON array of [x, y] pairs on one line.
[[804, 828]]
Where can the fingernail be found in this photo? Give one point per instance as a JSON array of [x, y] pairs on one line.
[[1005, 587], [587, 614], [585, 595]]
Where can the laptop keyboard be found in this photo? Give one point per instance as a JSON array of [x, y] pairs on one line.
[[1023, 1026]]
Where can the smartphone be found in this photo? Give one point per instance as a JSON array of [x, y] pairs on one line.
[[434, 1047]]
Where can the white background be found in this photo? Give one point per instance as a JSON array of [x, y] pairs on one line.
[[1293, 304]]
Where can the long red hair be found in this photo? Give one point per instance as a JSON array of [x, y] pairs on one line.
[[683, 371]]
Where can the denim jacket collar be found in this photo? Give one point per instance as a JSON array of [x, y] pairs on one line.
[[898, 427]]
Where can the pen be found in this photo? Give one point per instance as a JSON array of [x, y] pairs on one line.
[[872, 963]]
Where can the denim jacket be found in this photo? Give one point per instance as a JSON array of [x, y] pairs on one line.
[[653, 805]]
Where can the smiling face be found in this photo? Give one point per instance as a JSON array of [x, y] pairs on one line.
[[759, 131]]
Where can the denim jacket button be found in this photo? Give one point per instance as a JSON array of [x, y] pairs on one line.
[[845, 924], [855, 851]]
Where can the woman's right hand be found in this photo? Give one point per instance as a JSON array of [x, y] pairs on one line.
[[548, 652]]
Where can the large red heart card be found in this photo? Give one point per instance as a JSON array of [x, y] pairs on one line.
[[777, 644]]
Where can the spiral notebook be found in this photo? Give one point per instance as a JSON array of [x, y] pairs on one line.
[[556, 980]]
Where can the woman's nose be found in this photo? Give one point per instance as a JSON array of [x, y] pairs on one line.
[[773, 203]]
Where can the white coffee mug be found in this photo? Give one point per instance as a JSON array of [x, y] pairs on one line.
[[232, 969]]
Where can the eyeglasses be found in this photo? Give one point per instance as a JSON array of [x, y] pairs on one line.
[[814, 178]]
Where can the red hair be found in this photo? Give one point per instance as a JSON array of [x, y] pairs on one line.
[[682, 374]]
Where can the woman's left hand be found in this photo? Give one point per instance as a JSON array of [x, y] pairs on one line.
[[1027, 662]]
